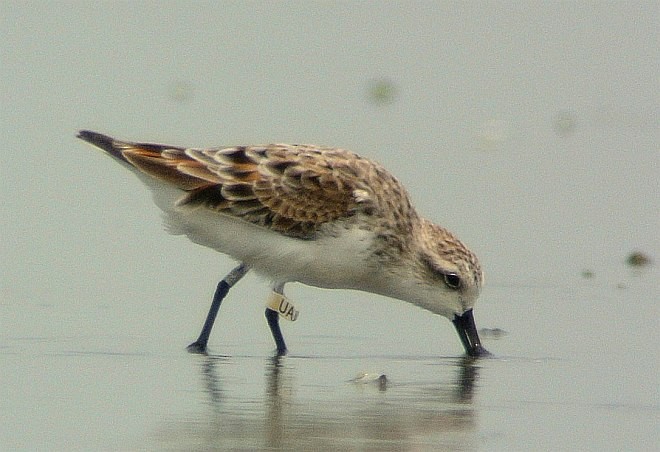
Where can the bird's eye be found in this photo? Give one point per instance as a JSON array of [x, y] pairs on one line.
[[452, 280]]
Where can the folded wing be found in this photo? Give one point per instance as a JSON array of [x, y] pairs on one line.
[[292, 189]]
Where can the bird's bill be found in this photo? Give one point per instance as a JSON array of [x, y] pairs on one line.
[[467, 331]]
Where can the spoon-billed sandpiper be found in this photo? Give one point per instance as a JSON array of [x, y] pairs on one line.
[[320, 216]]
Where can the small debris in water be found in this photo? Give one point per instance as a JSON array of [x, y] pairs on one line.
[[381, 92], [638, 259], [587, 274], [564, 123], [493, 333], [371, 378], [181, 91]]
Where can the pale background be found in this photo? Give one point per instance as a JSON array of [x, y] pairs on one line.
[[528, 128]]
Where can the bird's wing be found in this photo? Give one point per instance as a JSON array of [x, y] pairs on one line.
[[292, 189]]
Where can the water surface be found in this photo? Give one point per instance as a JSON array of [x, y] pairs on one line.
[[528, 129]]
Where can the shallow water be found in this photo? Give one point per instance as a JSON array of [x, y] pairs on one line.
[[528, 129], [560, 379]]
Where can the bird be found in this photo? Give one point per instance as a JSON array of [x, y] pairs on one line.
[[298, 213]]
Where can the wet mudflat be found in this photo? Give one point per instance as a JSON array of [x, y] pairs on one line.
[[556, 381], [528, 129]]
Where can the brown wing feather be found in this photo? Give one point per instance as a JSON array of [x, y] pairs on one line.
[[289, 188], [292, 189], [167, 169]]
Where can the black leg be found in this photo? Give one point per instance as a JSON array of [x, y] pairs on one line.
[[199, 346], [274, 323]]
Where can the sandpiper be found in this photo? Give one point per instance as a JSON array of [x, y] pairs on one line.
[[321, 216]]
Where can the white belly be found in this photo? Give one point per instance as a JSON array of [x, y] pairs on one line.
[[330, 261]]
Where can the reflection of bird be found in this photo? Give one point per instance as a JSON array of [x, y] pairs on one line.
[[320, 216]]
